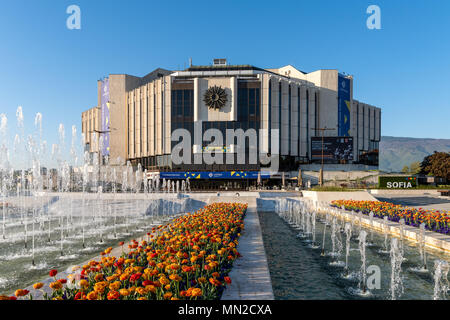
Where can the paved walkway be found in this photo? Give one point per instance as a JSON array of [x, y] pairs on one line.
[[417, 201], [328, 196]]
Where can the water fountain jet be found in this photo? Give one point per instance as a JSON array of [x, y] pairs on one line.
[[348, 235], [441, 283], [423, 255], [363, 270], [396, 288]]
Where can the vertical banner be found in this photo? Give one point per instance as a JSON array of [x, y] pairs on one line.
[[105, 116], [343, 106]]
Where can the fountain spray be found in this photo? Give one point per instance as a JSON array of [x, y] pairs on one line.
[[402, 227], [441, 284], [313, 225], [423, 255], [23, 186], [348, 235], [85, 182], [4, 209], [36, 185], [371, 226], [333, 236], [396, 288], [362, 251], [100, 230], [324, 234], [386, 233], [4, 153]]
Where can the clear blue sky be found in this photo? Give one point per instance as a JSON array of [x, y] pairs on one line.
[[403, 68]]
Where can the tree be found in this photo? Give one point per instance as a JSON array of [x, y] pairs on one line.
[[437, 164], [405, 169], [414, 167]]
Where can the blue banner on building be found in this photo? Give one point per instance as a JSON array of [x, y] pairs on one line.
[[343, 106], [104, 107], [213, 175]]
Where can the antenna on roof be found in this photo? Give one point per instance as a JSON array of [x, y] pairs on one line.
[[190, 62]]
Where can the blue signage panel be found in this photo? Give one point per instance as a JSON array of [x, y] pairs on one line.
[[213, 175], [343, 106], [104, 107]]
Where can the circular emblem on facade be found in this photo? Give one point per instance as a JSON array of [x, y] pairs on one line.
[[215, 97]]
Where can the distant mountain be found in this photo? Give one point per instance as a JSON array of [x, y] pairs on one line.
[[396, 152]]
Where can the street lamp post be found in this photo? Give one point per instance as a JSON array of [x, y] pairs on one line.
[[321, 166]]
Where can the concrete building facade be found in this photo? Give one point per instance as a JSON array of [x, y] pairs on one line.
[[144, 112]]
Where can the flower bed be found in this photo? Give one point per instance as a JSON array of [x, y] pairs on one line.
[[189, 258], [438, 221]]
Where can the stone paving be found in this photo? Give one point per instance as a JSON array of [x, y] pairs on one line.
[[417, 201]]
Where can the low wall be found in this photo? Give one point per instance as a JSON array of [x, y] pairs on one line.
[[328, 196], [413, 192], [338, 167], [338, 177]]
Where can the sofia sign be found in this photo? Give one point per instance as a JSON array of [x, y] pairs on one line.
[[397, 182]]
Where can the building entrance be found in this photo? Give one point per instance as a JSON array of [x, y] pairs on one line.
[[220, 184]]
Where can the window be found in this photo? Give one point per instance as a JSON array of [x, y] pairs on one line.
[[140, 123], [289, 120], [270, 116], [307, 122], [316, 113], [379, 124], [279, 116], [182, 108], [357, 126], [299, 119], [251, 103], [364, 128]]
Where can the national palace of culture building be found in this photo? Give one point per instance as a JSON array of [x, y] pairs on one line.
[[136, 116]]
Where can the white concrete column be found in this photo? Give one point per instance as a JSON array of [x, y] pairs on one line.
[[144, 116], [303, 121], [137, 128], [234, 94], [264, 112], [275, 106], [196, 98], [378, 122], [132, 117], [284, 121], [360, 127], [294, 120], [159, 117], [151, 111], [366, 127], [167, 114], [311, 117]]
